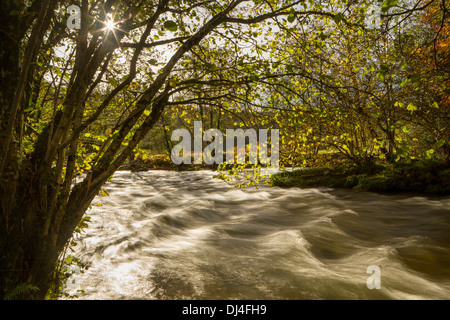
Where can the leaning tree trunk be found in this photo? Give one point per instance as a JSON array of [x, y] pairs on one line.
[[40, 208]]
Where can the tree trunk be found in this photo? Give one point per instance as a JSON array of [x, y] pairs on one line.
[[9, 68]]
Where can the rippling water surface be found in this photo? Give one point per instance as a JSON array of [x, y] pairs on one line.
[[185, 235]]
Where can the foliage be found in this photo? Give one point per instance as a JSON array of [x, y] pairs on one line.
[[22, 291], [367, 94]]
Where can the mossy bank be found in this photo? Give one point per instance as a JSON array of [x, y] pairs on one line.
[[428, 177]]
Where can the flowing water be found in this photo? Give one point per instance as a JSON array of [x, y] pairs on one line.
[[185, 235]]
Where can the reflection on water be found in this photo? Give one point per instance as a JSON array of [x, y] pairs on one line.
[[185, 235]]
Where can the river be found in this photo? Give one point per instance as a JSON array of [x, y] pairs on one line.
[[186, 235]]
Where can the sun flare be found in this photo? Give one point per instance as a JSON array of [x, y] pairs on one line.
[[110, 24]]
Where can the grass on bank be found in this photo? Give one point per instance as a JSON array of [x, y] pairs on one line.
[[429, 177]]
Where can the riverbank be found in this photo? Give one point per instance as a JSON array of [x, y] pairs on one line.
[[162, 162], [426, 177]]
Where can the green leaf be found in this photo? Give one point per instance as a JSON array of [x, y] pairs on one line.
[[387, 4], [380, 76], [291, 17], [399, 104], [27, 144], [254, 77], [338, 17], [428, 153], [384, 68], [211, 66], [112, 81], [440, 143], [404, 82], [170, 25], [411, 108], [415, 78]]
